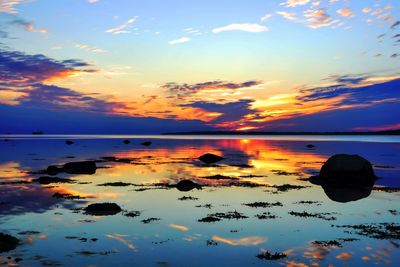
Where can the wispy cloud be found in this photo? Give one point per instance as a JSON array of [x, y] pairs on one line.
[[93, 1], [294, 3], [211, 85], [366, 9], [318, 18], [344, 12], [266, 17], [179, 41], [386, 127], [246, 27], [28, 26], [287, 15], [192, 31], [122, 28], [90, 48], [8, 6]]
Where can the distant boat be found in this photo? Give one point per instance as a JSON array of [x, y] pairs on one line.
[[38, 132]]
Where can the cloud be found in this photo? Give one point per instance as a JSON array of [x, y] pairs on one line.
[[179, 41], [366, 9], [90, 48], [345, 12], [361, 89], [192, 31], [395, 24], [122, 28], [25, 84], [28, 26], [92, 1], [321, 108], [59, 98], [294, 3], [211, 85], [287, 15], [318, 18], [246, 27], [20, 72], [385, 127], [20, 69], [265, 17], [8, 6], [229, 112]]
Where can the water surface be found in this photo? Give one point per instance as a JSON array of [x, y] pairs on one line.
[[169, 230]]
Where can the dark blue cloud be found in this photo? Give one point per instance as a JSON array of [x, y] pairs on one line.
[[18, 69], [25, 119], [232, 111], [357, 95], [215, 85], [59, 98], [342, 119]]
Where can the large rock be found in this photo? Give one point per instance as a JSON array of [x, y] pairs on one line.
[[346, 178], [347, 171], [209, 158], [7, 242]]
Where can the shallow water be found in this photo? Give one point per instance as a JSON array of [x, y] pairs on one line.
[[177, 238]]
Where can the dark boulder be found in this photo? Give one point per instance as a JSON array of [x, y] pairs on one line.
[[346, 178], [346, 170], [147, 143], [69, 142], [187, 185], [103, 209], [209, 158], [126, 142], [310, 146], [80, 167], [8, 242]]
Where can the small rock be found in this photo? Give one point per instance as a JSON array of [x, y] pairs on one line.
[[103, 209], [126, 141], [69, 142], [209, 158], [187, 185], [147, 143], [8, 242]]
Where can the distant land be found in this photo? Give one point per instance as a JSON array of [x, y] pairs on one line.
[[389, 132]]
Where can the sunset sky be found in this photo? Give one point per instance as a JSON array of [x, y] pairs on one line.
[[130, 66]]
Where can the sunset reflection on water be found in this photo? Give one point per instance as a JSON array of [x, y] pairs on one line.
[[166, 223]]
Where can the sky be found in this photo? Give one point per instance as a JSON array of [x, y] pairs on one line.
[[129, 66]]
